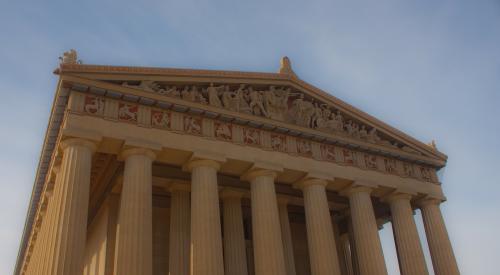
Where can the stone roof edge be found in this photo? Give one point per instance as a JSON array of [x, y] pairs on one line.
[[39, 183]]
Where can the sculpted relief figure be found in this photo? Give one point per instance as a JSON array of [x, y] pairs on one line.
[[408, 169], [349, 127], [276, 102], [229, 99], [192, 125], [70, 57], [256, 102], [323, 117], [150, 86], [94, 105], [339, 121], [127, 112], [302, 111], [281, 103], [146, 85], [317, 116], [373, 136], [242, 100], [251, 136], [328, 152], [192, 94], [160, 119], [278, 143], [363, 134], [173, 92], [213, 95], [223, 131], [303, 147]]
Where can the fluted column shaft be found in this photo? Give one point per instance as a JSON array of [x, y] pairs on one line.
[[52, 222], [286, 234], [235, 258], [368, 246], [71, 197], [206, 239], [267, 242], [320, 238], [180, 215], [346, 253], [134, 231], [443, 258], [352, 247], [44, 241], [410, 253]]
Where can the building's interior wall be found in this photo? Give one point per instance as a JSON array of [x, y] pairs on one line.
[[301, 252], [161, 231]]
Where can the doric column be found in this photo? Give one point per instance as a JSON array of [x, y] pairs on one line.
[[267, 243], [352, 246], [206, 239], [180, 231], [71, 198], [367, 241], [346, 253], [320, 239], [286, 234], [410, 253], [443, 259], [134, 231], [235, 257], [47, 223], [52, 222]]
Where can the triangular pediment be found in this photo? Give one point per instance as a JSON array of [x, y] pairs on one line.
[[279, 100]]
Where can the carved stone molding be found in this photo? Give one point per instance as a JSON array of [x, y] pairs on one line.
[[249, 136]]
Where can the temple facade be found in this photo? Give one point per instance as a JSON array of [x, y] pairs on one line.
[[197, 172]]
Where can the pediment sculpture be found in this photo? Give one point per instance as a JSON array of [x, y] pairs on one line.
[[279, 103]]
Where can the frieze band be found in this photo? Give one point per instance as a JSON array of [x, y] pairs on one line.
[[224, 131]]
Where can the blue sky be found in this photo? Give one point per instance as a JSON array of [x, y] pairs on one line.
[[429, 68]]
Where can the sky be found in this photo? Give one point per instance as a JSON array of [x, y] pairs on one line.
[[429, 68]]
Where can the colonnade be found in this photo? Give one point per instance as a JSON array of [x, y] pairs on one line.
[[196, 245]]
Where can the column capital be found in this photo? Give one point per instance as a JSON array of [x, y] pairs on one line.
[[429, 201], [138, 151], [193, 163], [79, 142], [395, 196], [306, 182], [353, 189], [204, 158], [254, 173], [262, 168]]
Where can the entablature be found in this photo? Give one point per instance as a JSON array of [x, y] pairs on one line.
[[193, 126], [355, 140]]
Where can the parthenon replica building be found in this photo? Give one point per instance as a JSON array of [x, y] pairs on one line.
[[200, 172]]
